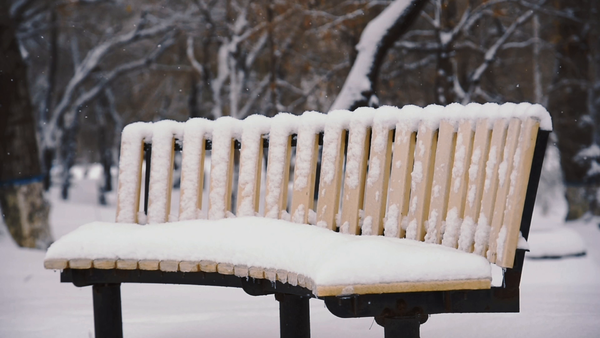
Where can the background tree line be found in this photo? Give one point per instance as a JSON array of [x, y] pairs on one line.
[[91, 66]]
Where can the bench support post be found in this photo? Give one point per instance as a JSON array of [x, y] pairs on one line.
[[402, 327], [294, 316], [108, 321]]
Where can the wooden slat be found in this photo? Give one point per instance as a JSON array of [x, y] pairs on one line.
[[188, 266], [159, 195], [307, 154], [56, 264], [361, 289], [240, 270], [490, 187], [104, 264], [302, 280], [444, 157], [282, 275], [207, 266], [127, 264], [149, 264], [421, 178], [192, 168], [354, 182], [80, 263], [168, 265], [271, 275], [221, 178], [278, 175], [130, 180], [250, 173], [257, 273], [378, 175], [292, 278], [399, 192], [332, 163], [225, 268], [517, 191], [505, 168], [476, 174]]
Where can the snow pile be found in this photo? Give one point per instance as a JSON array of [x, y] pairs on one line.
[[327, 257]]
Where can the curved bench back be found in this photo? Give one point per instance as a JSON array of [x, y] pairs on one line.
[[455, 176]]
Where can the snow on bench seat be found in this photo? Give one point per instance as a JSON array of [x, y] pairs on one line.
[[327, 262]]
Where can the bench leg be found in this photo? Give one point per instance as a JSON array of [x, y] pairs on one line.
[[402, 327], [108, 322], [294, 316]]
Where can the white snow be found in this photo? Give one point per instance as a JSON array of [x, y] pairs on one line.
[[311, 123], [337, 122], [361, 121]]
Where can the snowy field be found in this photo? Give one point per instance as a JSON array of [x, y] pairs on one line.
[[560, 298]]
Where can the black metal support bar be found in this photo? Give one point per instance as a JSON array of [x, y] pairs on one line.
[[294, 316], [108, 321], [148, 158], [402, 327]]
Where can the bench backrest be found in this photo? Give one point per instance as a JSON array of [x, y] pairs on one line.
[[455, 176]]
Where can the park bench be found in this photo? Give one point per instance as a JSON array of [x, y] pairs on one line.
[[437, 195]]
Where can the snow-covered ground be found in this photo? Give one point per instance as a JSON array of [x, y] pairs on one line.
[[560, 298]]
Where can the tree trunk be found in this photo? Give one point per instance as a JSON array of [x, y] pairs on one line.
[[24, 208], [568, 104]]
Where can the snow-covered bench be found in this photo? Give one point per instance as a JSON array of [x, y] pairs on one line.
[[449, 189]]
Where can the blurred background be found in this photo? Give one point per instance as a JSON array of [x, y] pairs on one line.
[[73, 73]]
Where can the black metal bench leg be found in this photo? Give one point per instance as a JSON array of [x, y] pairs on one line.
[[294, 316], [108, 321], [402, 327]]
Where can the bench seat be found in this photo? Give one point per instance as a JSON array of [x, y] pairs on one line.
[[326, 262]]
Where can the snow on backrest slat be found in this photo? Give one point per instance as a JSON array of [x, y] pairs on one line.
[[379, 170], [161, 169], [504, 170], [225, 131], [307, 153], [402, 165], [283, 125], [441, 181], [130, 170], [476, 174], [421, 175], [519, 178], [192, 167], [251, 155], [356, 163], [332, 163]]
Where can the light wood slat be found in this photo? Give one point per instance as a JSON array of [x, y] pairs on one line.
[[127, 264], [278, 176], [257, 273], [188, 266], [130, 179], [399, 192], [225, 268], [505, 169], [80, 263], [192, 168], [517, 191], [282, 275], [490, 187], [250, 174], [240, 270], [149, 264], [421, 178], [362, 289], [304, 180], [168, 265], [271, 275], [207, 266], [104, 264], [302, 280], [476, 174], [332, 164], [378, 175], [221, 178], [354, 182], [56, 264], [292, 278], [444, 157], [159, 194]]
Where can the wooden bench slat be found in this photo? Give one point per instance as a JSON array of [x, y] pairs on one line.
[[192, 167], [207, 266], [421, 178], [507, 244], [149, 264], [168, 265], [56, 264], [378, 175], [481, 146], [225, 268], [490, 186], [104, 264], [399, 192], [188, 266], [330, 182], [81, 263], [444, 157], [130, 172], [161, 181], [504, 171], [221, 169], [127, 264], [307, 154]]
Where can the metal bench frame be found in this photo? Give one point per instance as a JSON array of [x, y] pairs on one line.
[[399, 313]]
